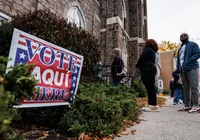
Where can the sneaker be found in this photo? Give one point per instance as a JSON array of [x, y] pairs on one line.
[[175, 104], [180, 102], [151, 108], [156, 107], [194, 109], [184, 108]]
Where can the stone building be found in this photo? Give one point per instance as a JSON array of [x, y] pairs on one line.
[[167, 63], [115, 23]]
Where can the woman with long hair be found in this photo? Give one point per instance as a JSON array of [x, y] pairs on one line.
[[146, 67]]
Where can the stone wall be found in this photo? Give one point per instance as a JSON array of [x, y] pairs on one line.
[[55, 6], [13, 7], [90, 10], [111, 23], [133, 18], [113, 40]]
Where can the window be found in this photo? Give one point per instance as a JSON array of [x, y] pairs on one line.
[[74, 16]]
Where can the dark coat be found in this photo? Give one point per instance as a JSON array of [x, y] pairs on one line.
[[176, 83], [146, 62], [117, 65], [191, 55]]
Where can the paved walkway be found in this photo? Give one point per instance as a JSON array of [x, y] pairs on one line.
[[168, 124]]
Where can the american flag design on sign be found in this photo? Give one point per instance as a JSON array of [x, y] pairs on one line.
[[56, 69]]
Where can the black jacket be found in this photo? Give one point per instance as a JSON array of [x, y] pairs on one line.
[[177, 83], [117, 65], [146, 60]]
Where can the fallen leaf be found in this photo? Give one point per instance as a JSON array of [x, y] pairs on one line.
[[124, 128], [130, 122], [118, 135], [140, 113], [112, 136], [128, 126], [81, 136], [138, 121], [133, 132], [134, 123], [124, 133], [86, 137]]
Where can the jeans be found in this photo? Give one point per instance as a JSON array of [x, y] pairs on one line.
[[178, 94]]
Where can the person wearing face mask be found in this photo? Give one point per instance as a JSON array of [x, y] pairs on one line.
[[188, 67]]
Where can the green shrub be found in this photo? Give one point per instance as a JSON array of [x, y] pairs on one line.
[[17, 83], [7, 114], [139, 88], [100, 110]]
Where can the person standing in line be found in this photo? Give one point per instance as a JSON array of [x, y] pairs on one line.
[[188, 66], [146, 67], [117, 66], [177, 85], [99, 68]]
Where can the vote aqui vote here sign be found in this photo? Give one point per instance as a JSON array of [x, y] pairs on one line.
[[57, 69]]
